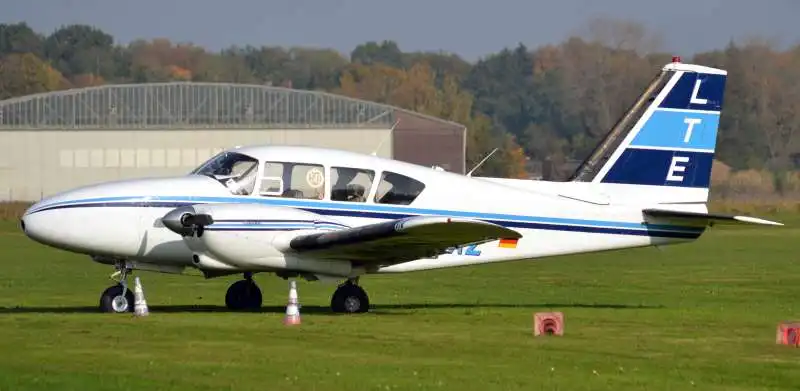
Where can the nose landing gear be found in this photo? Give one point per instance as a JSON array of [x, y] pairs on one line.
[[118, 298]]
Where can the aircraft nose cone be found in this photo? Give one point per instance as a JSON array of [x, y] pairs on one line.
[[25, 222], [35, 228], [47, 226]]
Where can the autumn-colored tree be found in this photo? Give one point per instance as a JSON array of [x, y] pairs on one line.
[[416, 89], [161, 60], [24, 74], [376, 83], [87, 80], [775, 101], [179, 73]]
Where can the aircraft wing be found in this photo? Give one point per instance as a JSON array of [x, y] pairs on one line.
[[705, 218], [399, 240]]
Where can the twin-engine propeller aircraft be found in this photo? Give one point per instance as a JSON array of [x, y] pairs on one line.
[[320, 214]]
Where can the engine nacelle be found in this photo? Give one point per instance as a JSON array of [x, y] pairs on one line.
[[251, 237]]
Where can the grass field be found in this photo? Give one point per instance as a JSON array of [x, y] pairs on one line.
[[698, 316]]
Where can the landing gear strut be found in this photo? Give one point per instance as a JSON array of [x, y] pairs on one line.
[[350, 298], [244, 295], [118, 298]]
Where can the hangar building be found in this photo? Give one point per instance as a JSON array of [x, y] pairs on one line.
[[59, 140]]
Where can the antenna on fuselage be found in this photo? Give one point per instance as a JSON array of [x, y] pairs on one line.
[[391, 131], [482, 161]]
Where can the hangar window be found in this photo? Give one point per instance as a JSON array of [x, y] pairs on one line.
[[293, 180], [238, 172], [397, 189], [351, 184]]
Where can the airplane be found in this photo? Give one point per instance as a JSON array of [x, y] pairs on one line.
[[331, 215]]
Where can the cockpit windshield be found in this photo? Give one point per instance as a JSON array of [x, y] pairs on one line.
[[235, 170]]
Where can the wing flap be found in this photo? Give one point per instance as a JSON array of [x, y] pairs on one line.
[[399, 241], [705, 218]]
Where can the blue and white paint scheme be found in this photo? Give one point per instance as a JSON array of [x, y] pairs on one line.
[[333, 215], [673, 143]]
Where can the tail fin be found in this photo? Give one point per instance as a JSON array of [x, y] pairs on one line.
[[667, 140]]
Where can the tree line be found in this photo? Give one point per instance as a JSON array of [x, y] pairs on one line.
[[547, 104]]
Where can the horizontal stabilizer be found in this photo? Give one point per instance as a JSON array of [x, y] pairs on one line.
[[706, 218], [400, 240]]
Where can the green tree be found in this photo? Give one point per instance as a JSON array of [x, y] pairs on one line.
[[314, 69], [386, 52], [81, 49], [19, 38]]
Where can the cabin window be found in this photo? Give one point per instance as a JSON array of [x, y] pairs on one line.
[[293, 180], [397, 189], [351, 184]]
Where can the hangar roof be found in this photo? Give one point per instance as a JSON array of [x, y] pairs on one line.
[[193, 105]]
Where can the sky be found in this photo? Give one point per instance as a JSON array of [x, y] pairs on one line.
[[469, 28]]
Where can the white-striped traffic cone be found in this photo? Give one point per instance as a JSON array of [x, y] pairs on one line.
[[293, 307], [140, 304]]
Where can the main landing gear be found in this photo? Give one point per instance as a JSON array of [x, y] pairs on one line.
[[350, 298], [244, 295], [118, 298]]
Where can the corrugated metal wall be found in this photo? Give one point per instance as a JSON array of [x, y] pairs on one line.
[[430, 142], [36, 164]]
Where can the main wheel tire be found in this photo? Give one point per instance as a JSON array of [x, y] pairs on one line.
[[243, 295], [350, 299], [114, 300]]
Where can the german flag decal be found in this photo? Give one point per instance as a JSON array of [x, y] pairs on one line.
[[508, 243]]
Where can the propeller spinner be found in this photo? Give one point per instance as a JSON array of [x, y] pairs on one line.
[[185, 222]]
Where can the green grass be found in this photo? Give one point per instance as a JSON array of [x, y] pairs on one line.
[[698, 316]]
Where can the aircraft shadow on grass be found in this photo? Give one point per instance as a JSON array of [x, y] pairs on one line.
[[378, 309]]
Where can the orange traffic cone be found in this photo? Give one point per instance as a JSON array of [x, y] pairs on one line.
[[293, 307]]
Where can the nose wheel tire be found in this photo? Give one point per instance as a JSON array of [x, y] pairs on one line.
[[350, 299], [115, 300], [243, 295]]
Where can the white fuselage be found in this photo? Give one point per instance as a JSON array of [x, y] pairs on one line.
[[122, 221]]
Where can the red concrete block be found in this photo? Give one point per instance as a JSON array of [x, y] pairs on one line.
[[548, 323], [788, 334]]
